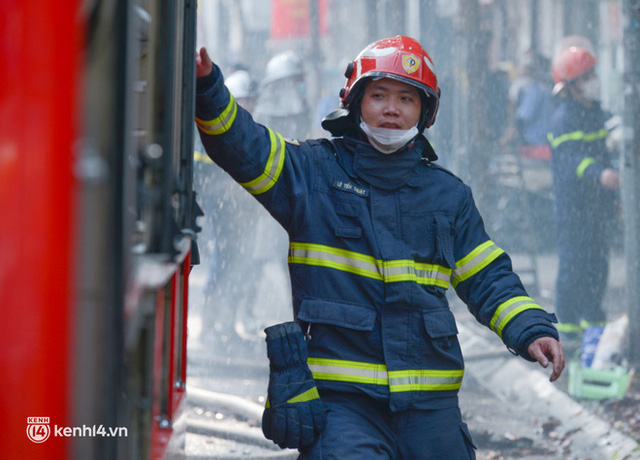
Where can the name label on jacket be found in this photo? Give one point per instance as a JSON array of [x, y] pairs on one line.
[[349, 187]]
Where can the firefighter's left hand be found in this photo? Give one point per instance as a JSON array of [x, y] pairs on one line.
[[545, 349]]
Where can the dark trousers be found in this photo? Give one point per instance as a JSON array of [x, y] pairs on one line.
[[359, 427], [582, 277]]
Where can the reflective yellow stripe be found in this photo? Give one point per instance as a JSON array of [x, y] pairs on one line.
[[306, 396], [201, 157], [425, 380], [338, 370], [273, 168], [222, 123], [568, 327], [584, 164], [409, 270], [585, 324], [507, 310], [475, 261], [596, 135], [577, 136], [338, 259], [390, 271]]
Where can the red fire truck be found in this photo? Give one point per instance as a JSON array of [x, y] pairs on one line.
[[98, 224]]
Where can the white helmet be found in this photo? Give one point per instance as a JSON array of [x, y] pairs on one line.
[[239, 84], [283, 65]]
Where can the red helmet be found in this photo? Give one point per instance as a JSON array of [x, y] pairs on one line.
[[571, 63], [401, 58]]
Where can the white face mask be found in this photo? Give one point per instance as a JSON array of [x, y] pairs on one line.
[[387, 140], [591, 89]]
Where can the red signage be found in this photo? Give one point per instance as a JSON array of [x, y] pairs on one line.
[[292, 18]]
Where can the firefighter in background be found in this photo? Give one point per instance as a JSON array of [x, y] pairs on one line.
[[242, 87], [584, 185], [282, 99], [378, 232]]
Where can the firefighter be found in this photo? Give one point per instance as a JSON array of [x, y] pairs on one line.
[[282, 100], [584, 186], [241, 86], [378, 233]]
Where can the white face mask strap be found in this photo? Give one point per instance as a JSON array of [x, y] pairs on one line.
[[388, 140]]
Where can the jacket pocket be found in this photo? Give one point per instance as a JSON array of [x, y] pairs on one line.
[[440, 323], [444, 241], [431, 238], [351, 316], [442, 344], [348, 224]]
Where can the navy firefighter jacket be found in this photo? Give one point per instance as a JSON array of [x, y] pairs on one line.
[[578, 141], [375, 242]]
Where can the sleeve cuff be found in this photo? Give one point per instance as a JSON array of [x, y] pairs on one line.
[[528, 328], [205, 83]]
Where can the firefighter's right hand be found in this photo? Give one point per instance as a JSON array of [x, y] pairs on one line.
[[294, 413], [610, 178], [204, 64]]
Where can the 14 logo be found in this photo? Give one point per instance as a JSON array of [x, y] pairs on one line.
[[38, 429]]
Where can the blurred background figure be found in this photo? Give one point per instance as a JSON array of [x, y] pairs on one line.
[[242, 87], [531, 97], [498, 113], [282, 100], [585, 190], [238, 235], [519, 111]]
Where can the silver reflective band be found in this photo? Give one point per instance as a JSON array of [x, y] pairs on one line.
[[360, 264], [321, 256], [339, 370], [222, 123], [475, 261], [335, 370], [449, 380], [420, 273], [507, 310], [272, 169], [376, 374], [425, 380]]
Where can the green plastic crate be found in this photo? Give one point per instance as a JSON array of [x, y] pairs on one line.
[[588, 383]]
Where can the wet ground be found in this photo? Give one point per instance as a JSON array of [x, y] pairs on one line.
[[535, 428], [504, 432], [528, 436], [624, 413]]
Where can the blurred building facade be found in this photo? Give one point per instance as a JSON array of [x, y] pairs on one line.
[[468, 40]]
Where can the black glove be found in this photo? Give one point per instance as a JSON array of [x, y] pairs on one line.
[[294, 414]]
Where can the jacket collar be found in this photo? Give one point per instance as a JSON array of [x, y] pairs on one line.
[[387, 172]]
